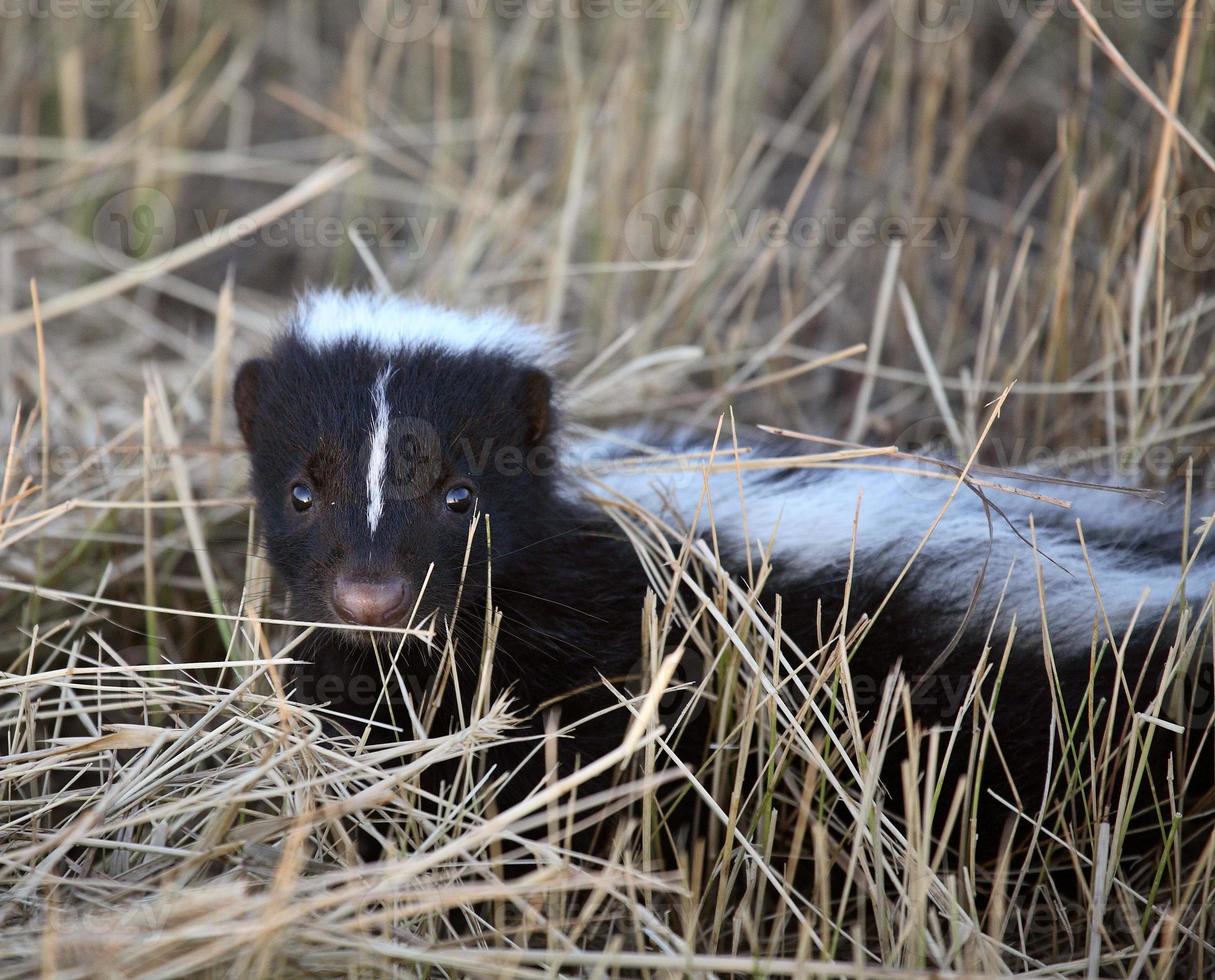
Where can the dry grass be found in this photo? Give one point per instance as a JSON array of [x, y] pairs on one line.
[[166, 811]]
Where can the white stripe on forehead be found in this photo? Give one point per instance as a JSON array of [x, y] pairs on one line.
[[393, 324], [377, 461]]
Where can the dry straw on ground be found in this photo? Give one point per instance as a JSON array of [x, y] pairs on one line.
[[701, 194]]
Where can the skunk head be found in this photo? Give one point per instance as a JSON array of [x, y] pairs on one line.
[[393, 444]]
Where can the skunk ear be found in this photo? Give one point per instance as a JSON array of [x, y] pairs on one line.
[[536, 403], [247, 393]]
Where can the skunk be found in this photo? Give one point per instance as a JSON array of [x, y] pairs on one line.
[[409, 466]]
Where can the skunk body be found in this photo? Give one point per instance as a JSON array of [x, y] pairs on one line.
[[381, 431]]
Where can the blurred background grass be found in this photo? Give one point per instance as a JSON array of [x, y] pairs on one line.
[[711, 198]]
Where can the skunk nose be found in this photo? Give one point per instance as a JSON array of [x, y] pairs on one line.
[[374, 602]]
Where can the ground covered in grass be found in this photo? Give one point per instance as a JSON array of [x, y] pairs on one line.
[[859, 220]]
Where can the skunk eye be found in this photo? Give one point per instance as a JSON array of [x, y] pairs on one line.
[[459, 499], [301, 497]]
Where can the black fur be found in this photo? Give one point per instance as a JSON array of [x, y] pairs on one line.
[[569, 586]]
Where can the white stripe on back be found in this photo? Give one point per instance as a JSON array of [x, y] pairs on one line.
[[814, 514]]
